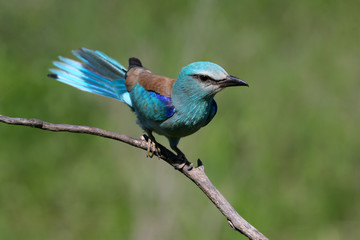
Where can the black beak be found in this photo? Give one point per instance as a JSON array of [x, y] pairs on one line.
[[230, 81]]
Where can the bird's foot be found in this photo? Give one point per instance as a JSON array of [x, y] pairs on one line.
[[182, 160], [152, 149], [183, 163], [151, 146]]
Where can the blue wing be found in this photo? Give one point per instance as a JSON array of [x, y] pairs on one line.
[[151, 105]]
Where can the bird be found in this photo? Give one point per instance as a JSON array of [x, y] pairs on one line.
[[174, 108]]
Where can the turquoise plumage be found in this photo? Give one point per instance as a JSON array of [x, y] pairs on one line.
[[169, 107]]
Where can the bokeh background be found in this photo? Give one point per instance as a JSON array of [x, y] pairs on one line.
[[285, 152]]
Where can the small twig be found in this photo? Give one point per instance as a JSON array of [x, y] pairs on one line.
[[197, 174]]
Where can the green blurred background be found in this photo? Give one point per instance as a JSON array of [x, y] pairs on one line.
[[285, 152]]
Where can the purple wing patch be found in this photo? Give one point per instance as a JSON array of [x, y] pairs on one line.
[[170, 109]]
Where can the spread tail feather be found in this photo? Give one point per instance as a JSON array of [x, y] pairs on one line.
[[98, 74]]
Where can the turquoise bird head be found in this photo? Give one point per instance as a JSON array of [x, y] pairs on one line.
[[205, 79]]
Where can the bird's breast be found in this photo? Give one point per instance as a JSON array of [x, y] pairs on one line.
[[186, 120]]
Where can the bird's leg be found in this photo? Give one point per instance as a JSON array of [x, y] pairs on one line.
[[151, 144], [182, 158], [179, 153]]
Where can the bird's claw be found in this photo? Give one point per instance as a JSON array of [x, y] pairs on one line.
[[183, 163], [151, 147], [187, 165]]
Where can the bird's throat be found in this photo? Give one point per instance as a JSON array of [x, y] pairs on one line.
[[191, 106]]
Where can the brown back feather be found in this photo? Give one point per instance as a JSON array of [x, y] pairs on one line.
[[149, 81]]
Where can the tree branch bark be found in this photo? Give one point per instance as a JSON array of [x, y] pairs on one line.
[[197, 174]]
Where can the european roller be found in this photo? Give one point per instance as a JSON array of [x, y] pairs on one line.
[[174, 108]]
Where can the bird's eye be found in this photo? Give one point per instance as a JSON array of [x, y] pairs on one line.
[[203, 77]]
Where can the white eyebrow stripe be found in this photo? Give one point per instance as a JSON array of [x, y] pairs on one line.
[[217, 76]]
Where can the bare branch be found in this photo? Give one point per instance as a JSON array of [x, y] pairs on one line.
[[197, 174]]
